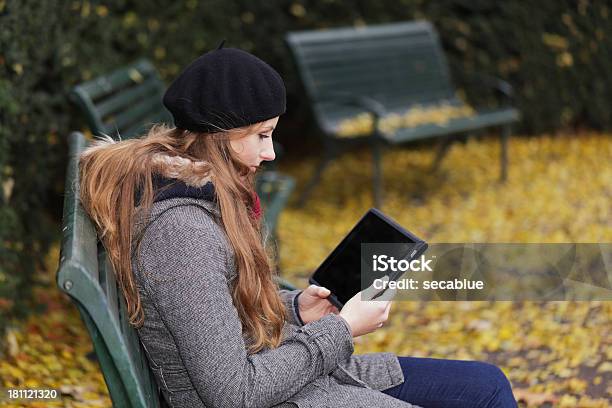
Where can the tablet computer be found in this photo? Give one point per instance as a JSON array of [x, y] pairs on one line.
[[340, 272]]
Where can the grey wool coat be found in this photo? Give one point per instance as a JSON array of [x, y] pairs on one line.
[[192, 335]]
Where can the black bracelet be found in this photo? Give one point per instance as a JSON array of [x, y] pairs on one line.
[[296, 307]]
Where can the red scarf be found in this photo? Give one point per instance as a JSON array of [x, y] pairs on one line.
[[255, 210]]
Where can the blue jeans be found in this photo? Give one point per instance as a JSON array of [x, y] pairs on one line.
[[433, 383]]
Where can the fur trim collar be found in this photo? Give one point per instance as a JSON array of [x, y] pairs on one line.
[[192, 173]]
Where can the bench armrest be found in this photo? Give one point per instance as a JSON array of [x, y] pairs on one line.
[[501, 87]]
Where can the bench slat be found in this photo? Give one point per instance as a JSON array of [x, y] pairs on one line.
[[111, 83], [112, 377], [406, 63], [108, 283], [348, 33], [149, 88], [323, 53], [141, 365], [142, 126], [133, 115], [383, 91], [79, 242]]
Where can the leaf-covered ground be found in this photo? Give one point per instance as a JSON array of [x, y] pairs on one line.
[[559, 190]]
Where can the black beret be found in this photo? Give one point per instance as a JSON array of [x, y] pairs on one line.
[[224, 89]]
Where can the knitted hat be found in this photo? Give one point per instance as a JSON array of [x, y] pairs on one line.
[[224, 89]]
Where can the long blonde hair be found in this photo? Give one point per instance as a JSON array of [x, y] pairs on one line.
[[112, 173]]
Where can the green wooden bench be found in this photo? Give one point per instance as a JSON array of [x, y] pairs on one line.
[[125, 102], [128, 101], [86, 275], [383, 71]]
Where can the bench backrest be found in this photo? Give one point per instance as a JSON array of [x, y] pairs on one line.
[[125, 102], [398, 64], [86, 275]]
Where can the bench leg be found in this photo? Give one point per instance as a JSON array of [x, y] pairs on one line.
[[377, 180], [505, 135], [443, 147], [316, 178]]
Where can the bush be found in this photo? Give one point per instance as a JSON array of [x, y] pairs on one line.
[[555, 54]]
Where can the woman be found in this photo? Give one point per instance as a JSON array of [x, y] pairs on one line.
[[178, 215]]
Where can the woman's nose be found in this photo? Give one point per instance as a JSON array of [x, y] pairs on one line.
[[268, 153]]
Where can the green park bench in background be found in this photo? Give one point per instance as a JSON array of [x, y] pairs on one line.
[[125, 102], [388, 78], [86, 275], [128, 101]]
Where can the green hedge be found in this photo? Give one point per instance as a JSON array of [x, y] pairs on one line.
[[555, 53]]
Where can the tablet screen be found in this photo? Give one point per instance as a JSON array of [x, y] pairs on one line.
[[341, 271]]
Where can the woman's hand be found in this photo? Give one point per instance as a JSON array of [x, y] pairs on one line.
[[365, 315], [313, 303]]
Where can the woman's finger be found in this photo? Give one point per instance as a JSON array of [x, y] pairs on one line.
[[312, 288], [324, 292]]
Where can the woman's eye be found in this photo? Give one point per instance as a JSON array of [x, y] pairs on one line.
[[263, 136]]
